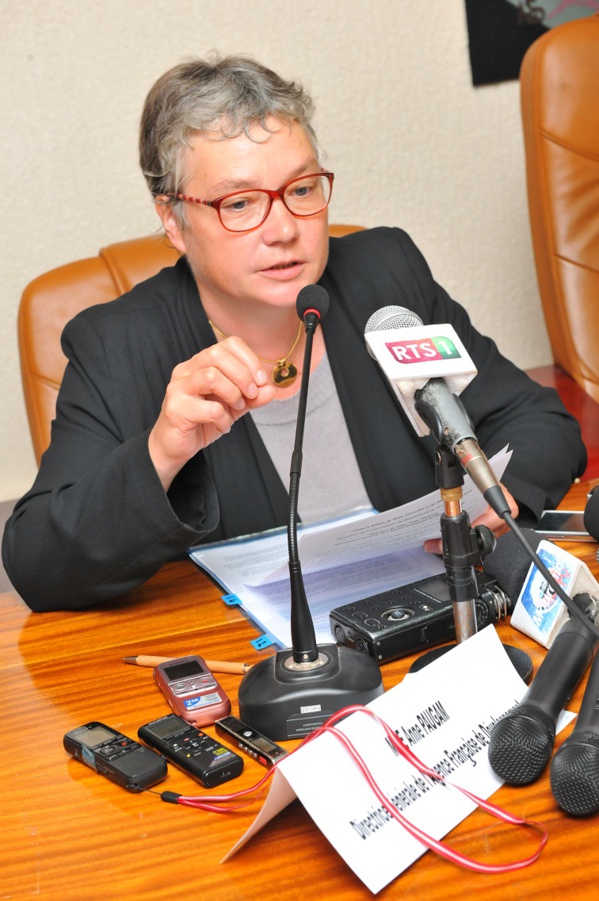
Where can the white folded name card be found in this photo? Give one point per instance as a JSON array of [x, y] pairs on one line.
[[445, 713]]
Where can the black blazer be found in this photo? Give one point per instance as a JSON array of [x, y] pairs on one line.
[[96, 522]]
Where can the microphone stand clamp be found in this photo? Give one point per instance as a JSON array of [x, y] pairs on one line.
[[464, 548]]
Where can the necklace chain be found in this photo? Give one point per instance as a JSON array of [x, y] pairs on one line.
[[284, 373]]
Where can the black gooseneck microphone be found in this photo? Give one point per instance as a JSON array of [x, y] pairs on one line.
[[303, 639], [293, 692]]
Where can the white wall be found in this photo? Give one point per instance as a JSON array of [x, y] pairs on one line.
[[412, 143]]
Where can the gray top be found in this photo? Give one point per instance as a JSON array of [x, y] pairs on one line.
[[331, 483]]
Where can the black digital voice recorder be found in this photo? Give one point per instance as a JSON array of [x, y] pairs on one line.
[[115, 756]]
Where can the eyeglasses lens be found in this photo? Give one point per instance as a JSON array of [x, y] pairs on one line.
[[304, 196]]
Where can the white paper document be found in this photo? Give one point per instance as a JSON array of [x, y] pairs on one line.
[[342, 561], [445, 713]]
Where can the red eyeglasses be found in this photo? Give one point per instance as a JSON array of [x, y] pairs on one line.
[[242, 211]]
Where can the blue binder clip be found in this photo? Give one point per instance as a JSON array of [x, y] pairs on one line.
[[263, 641]]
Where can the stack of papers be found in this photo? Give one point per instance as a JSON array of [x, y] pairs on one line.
[[342, 561]]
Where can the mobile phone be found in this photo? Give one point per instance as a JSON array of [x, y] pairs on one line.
[[563, 525], [121, 759], [250, 741], [198, 754], [192, 690]]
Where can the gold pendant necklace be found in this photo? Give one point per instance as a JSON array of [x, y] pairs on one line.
[[283, 373]]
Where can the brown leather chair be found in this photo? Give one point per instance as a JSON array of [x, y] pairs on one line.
[[559, 84], [51, 300]]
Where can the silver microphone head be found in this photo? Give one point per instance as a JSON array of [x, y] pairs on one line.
[[392, 317]]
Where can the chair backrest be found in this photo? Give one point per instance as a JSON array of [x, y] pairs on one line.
[[559, 84], [51, 300]]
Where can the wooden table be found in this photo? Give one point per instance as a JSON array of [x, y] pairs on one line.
[[67, 833]]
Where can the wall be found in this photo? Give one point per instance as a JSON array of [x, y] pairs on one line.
[[412, 143]]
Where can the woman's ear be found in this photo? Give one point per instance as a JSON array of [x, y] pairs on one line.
[[171, 226]]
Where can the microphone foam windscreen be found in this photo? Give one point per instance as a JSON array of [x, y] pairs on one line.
[[509, 563], [591, 515], [312, 297]]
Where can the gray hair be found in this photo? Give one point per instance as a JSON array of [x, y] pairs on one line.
[[227, 95]]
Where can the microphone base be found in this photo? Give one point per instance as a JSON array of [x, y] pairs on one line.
[[519, 659], [284, 700]]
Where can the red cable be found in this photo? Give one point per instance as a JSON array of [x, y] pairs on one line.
[[210, 804]]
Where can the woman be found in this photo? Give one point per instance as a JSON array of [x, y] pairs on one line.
[[176, 415]]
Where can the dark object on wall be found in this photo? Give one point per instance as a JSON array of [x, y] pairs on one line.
[[501, 31], [499, 34]]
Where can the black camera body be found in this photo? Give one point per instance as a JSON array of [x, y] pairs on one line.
[[404, 620]]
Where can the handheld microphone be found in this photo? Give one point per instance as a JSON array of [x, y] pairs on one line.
[[509, 562], [521, 742], [295, 691], [574, 770], [591, 514], [407, 362]]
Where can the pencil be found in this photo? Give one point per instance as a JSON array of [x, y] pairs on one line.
[[217, 666]]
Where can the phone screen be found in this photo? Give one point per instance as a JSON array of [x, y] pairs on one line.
[[184, 670], [564, 524]]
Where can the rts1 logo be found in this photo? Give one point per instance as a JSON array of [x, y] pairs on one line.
[[424, 350]]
